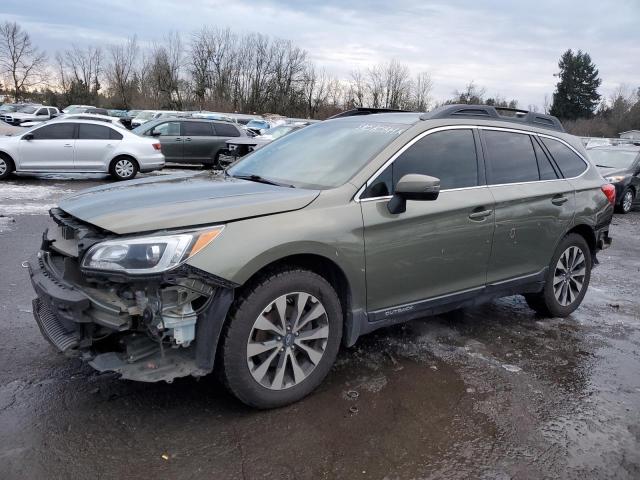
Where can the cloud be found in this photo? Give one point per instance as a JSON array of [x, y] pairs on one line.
[[510, 48]]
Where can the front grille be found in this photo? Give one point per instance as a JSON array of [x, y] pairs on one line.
[[51, 327]]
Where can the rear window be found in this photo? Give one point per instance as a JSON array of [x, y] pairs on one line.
[[571, 165], [511, 157], [89, 131], [196, 129], [225, 130]]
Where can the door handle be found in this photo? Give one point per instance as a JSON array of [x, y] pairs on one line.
[[187, 139], [108, 145], [178, 139], [480, 214], [559, 200], [68, 145]]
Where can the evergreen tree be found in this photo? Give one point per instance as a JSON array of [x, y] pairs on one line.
[[576, 94]]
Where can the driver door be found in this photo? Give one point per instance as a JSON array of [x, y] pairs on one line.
[[50, 147], [437, 249]]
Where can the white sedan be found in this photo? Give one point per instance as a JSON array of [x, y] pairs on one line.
[[79, 146]]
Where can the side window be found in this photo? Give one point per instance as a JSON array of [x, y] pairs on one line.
[[168, 129], [196, 129], [88, 131], [510, 157], [382, 186], [59, 131], [113, 135], [225, 130], [547, 171], [42, 111], [571, 165], [53, 111], [449, 155]]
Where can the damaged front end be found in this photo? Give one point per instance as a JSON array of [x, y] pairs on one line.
[[150, 325]]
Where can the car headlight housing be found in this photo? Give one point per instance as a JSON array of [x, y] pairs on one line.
[[614, 178], [148, 255]]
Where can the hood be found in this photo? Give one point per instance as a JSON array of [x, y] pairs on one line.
[[608, 171], [180, 201], [21, 115]]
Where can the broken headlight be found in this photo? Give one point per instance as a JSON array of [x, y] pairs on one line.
[[148, 255]]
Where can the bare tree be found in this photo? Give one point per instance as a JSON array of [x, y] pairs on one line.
[[22, 62], [80, 70], [421, 95], [120, 72], [316, 90], [164, 72]]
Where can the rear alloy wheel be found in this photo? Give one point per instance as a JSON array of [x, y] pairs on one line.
[[124, 168], [6, 167], [626, 202], [281, 339], [567, 279]]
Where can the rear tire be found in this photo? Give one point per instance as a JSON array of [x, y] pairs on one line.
[[567, 280], [123, 168], [6, 166], [269, 363], [626, 201]]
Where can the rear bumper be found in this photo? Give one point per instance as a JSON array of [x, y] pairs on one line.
[[151, 162]]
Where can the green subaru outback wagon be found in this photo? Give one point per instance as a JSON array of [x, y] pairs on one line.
[[327, 234]]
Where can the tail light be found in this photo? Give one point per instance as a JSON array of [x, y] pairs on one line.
[[609, 192], [157, 146]]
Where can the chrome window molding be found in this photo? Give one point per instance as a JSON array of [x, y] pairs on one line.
[[358, 194]]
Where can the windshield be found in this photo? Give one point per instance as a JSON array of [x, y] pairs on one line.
[[145, 115], [613, 158], [257, 124], [277, 132], [325, 155], [27, 109], [76, 110], [8, 108], [141, 129]]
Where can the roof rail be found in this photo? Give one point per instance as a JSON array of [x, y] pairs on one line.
[[366, 111], [493, 113]]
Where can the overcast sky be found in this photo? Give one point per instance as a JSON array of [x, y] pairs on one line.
[[509, 47]]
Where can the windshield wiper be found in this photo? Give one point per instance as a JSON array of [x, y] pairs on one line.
[[259, 179], [603, 166]]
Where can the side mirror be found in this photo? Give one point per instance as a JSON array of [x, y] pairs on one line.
[[413, 187], [154, 133], [27, 136]]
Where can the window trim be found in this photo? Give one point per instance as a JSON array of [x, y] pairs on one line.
[[409, 144], [371, 179], [570, 148]]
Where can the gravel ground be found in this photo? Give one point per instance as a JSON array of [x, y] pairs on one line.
[[493, 392]]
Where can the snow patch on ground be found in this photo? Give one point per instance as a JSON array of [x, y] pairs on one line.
[[27, 209], [14, 192], [6, 224]]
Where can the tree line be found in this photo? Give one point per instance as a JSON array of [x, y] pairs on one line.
[[221, 70]]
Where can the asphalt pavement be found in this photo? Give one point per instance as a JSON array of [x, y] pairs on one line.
[[493, 392]]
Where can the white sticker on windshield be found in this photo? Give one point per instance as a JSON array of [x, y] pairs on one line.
[[372, 127]]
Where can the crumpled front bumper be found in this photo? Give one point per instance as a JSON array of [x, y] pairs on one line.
[[65, 315]]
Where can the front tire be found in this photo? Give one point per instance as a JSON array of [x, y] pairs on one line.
[[6, 166], [567, 280], [626, 202], [123, 168], [282, 337]]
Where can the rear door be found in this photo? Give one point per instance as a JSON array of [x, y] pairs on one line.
[[50, 149], [95, 146], [435, 249], [170, 140], [534, 205], [199, 141]]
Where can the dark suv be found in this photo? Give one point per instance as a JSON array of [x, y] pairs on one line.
[[190, 140], [327, 234]]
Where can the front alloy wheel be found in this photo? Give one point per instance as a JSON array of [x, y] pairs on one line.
[[287, 341], [281, 337]]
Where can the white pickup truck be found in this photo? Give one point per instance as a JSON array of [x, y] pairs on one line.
[[29, 113]]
